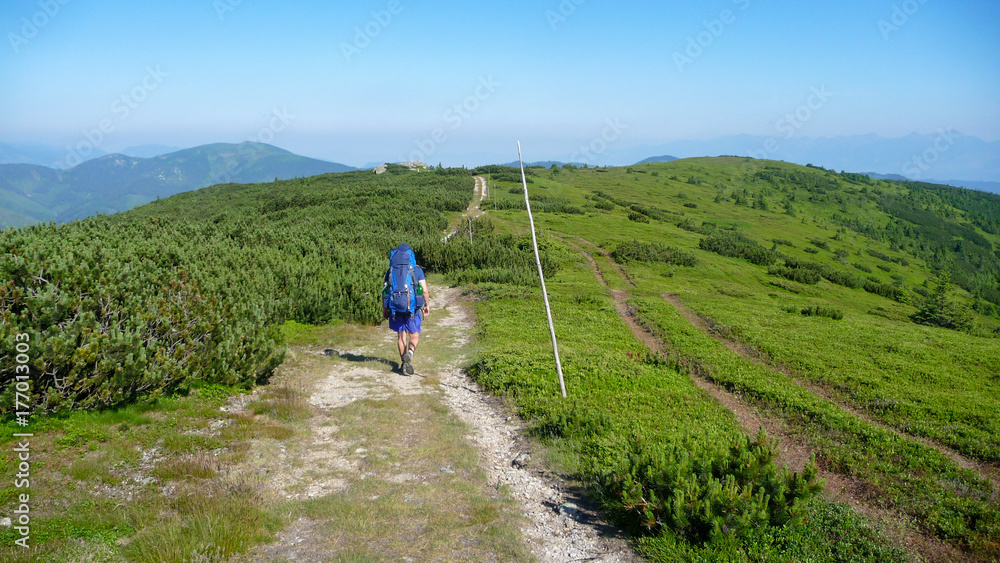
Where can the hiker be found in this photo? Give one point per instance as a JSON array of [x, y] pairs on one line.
[[404, 302]]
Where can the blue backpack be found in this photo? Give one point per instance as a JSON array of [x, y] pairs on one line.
[[401, 295]]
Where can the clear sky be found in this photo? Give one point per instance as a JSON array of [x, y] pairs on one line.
[[459, 82]]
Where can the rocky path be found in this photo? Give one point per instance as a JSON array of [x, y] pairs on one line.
[[356, 374], [558, 529]]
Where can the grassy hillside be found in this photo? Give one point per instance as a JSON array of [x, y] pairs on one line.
[[857, 381], [821, 302], [192, 288]]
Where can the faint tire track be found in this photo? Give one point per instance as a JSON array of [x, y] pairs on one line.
[[792, 452], [985, 470]]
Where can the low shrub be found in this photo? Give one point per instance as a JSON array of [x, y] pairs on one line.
[[828, 312], [801, 275], [705, 228], [886, 290], [652, 252], [736, 245], [820, 243], [701, 496]]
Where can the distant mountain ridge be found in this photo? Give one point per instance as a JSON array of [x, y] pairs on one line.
[[149, 151], [38, 154], [543, 164], [109, 184], [991, 187], [877, 176], [664, 158], [944, 154]]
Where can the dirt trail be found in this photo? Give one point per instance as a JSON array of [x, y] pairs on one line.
[[481, 192], [559, 529], [793, 452], [554, 527]]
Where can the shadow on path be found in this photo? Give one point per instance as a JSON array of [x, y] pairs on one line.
[[360, 358]]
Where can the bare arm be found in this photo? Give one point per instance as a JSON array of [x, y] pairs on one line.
[[427, 301]]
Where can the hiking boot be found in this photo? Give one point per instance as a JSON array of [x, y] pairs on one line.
[[407, 366]]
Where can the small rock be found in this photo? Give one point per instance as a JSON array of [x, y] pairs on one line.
[[5, 523], [521, 461], [570, 510]]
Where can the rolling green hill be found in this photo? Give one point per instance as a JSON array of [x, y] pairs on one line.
[[818, 280], [856, 318], [113, 183]]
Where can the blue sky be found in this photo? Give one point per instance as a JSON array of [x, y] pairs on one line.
[[459, 82]]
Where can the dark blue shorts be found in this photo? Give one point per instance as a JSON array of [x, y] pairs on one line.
[[405, 321]]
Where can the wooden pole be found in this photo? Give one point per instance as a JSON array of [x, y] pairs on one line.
[[538, 262]]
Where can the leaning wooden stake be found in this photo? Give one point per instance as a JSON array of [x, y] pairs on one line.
[[538, 261]]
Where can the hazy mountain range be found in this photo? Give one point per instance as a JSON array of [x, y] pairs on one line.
[[55, 157], [31, 193], [33, 189], [946, 155], [664, 158]]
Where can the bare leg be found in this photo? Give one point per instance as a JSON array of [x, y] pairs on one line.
[[401, 343], [414, 340]]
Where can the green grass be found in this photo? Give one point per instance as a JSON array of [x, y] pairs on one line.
[[284, 403], [947, 500], [634, 425], [98, 492], [216, 521], [923, 381], [620, 395]]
